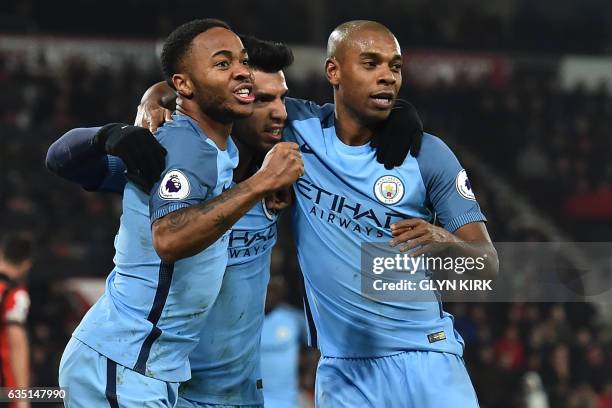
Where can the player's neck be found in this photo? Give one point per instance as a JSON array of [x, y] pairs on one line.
[[350, 130], [217, 131]]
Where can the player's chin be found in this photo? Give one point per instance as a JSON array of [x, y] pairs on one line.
[[377, 115], [241, 111]]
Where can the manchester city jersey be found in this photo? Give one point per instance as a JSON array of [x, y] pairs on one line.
[[253, 235], [225, 366], [152, 313], [347, 198]]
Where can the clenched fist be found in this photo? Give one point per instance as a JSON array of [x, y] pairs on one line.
[[281, 167]]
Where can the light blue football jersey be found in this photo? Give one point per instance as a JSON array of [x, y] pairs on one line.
[[152, 313], [283, 332], [347, 198], [253, 235], [225, 366]]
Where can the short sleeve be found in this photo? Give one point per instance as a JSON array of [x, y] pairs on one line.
[[17, 306], [190, 173], [447, 184]]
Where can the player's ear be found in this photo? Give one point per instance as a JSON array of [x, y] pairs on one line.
[[332, 71], [183, 85]]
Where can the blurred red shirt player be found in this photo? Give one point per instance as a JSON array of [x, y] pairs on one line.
[[15, 262]]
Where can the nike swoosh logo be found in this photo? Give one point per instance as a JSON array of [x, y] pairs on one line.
[[123, 127], [306, 149]]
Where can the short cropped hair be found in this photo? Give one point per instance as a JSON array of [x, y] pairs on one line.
[[267, 56], [178, 44]]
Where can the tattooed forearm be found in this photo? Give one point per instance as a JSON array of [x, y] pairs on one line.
[[223, 223], [187, 231], [177, 220], [224, 197]]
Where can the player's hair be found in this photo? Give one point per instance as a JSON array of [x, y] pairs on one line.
[[267, 56], [16, 248], [178, 44]]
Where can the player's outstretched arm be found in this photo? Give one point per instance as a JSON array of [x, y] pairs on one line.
[[185, 232], [91, 156], [74, 158]]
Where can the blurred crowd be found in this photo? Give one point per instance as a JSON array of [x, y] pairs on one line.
[[536, 355], [549, 143], [552, 144], [545, 25]]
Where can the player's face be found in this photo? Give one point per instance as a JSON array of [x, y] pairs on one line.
[[222, 79], [264, 128], [370, 75]]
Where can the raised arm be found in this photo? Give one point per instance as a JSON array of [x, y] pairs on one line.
[[75, 158], [185, 232], [97, 158]]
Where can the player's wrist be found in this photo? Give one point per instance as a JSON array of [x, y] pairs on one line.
[[101, 138], [260, 184]]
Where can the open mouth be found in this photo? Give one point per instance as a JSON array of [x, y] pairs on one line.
[[244, 93], [275, 133], [383, 99]]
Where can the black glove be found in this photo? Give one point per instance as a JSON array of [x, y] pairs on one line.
[[142, 154], [400, 133]]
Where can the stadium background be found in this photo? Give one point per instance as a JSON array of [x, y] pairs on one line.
[[520, 89]]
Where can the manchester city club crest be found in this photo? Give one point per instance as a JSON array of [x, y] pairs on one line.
[[389, 189]]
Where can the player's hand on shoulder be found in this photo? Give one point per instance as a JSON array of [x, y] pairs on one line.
[[281, 167], [151, 115], [143, 155], [415, 232], [401, 133]]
